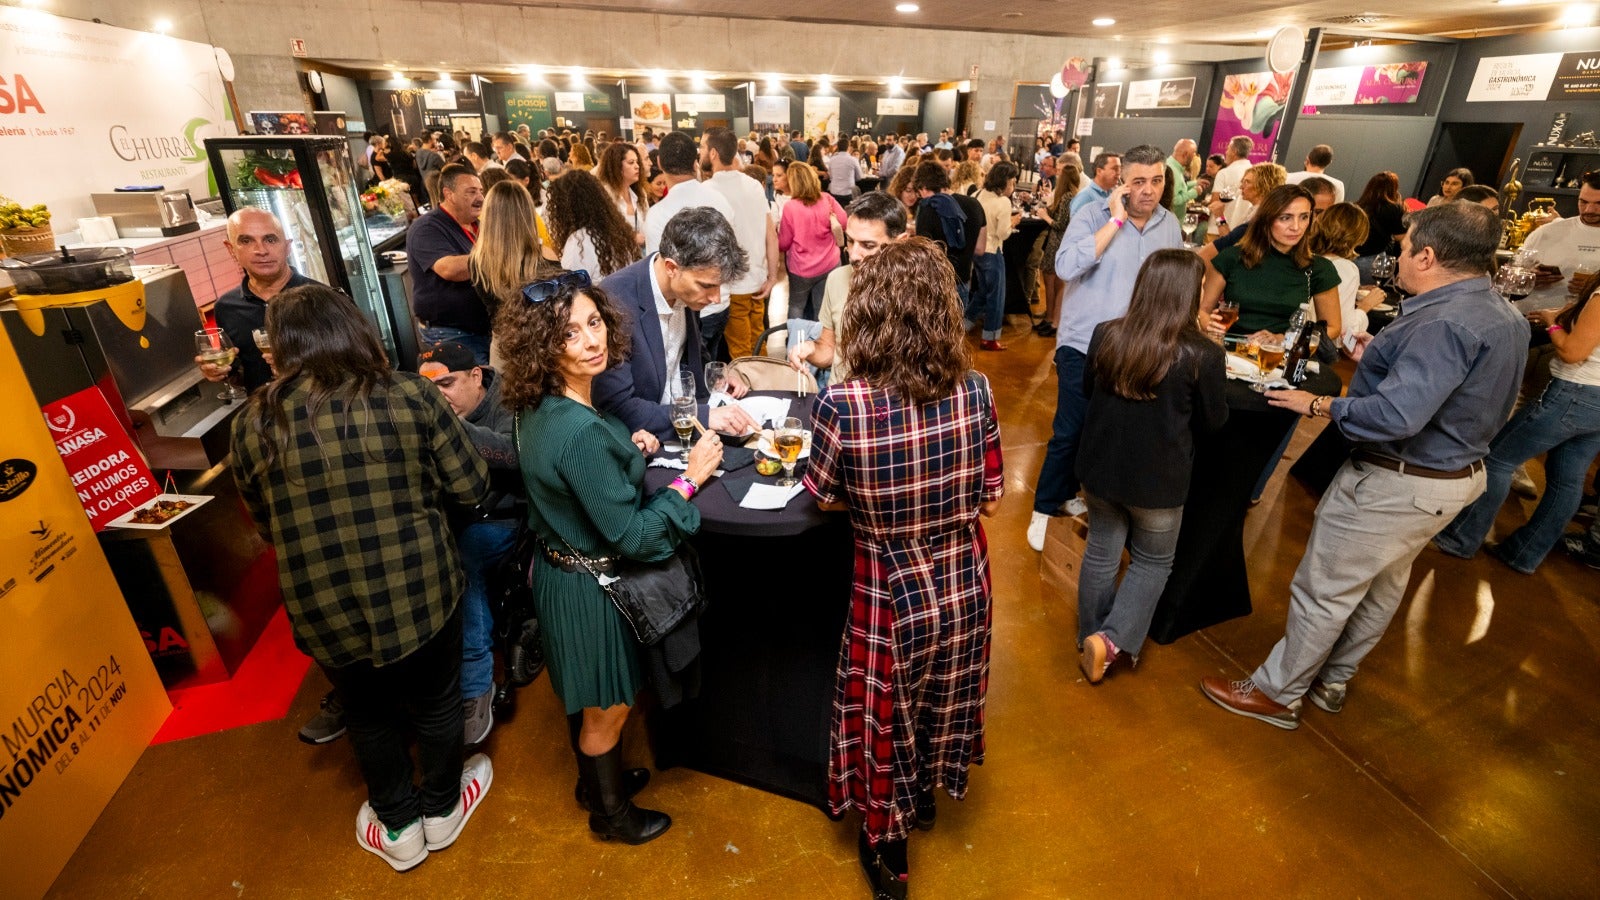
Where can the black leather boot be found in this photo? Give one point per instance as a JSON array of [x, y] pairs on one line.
[[611, 814], [634, 780], [887, 884], [927, 811]]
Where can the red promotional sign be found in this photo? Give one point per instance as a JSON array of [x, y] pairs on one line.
[[108, 473]]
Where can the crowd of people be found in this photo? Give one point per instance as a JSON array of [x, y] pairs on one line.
[[569, 306]]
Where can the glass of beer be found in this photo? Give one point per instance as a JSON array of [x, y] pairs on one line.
[[685, 407], [1271, 355], [215, 347], [1228, 312], [787, 443]]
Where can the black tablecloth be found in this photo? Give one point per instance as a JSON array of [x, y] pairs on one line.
[[1209, 581], [778, 584], [1016, 249]]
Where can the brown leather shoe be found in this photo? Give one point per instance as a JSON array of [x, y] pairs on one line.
[[1094, 658], [1245, 699]]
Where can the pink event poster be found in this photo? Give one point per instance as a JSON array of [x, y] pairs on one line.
[[1393, 83], [1252, 105]]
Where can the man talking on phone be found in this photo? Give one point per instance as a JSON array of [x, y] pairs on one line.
[[1099, 259]]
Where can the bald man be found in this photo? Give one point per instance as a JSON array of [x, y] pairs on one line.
[[1183, 188], [258, 244]]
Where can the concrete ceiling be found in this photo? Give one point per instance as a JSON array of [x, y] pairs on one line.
[[1171, 21]]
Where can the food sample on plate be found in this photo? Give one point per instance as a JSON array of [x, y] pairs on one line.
[[160, 511]]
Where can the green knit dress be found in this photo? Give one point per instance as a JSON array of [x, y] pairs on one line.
[[585, 480]]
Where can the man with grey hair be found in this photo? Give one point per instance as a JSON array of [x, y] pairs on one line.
[[1099, 259], [1428, 395], [661, 295], [1235, 163]]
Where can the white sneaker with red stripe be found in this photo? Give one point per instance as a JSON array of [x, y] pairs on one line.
[[441, 831], [404, 849]]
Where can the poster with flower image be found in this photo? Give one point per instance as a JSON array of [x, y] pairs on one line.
[[1252, 105]]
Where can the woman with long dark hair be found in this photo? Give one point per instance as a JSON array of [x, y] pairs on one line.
[[1154, 383], [910, 446], [347, 467], [1271, 272], [585, 224], [1380, 200], [586, 506], [1563, 424], [621, 172]]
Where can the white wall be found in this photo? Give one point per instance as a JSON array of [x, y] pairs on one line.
[[257, 35]]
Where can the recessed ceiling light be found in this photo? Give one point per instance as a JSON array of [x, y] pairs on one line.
[[1578, 15], [388, 65], [1103, 22], [162, 26], [1161, 57], [896, 84], [906, 7], [1114, 63], [1011, 15], [575, 73], [774, 83]]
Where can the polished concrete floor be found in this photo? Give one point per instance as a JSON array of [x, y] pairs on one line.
[[1466, 763]]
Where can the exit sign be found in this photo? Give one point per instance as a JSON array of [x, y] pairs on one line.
[[297, 46]]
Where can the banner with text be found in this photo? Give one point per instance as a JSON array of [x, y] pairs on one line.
[[1252, 106], [821, 115], [105, 468], [86, 107], [79, 697], [771, 112], [530, 108], [1364, 85]]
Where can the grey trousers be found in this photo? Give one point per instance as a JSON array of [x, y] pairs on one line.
[[1370, 526]]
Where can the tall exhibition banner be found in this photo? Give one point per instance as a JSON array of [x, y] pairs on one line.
[[79, 697], [88, 108]]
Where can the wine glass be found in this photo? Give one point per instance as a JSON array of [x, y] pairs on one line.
[[685, 409], [787, 443], [716, 379], [215, 347], [1191, 224], [1382, 268]]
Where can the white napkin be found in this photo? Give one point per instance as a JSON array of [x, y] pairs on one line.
[[673, 462], [765, 410], [769, 496]]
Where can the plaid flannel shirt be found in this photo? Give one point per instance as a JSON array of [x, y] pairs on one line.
[[366, 560]]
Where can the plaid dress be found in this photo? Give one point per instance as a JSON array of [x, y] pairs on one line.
[[914, 659]]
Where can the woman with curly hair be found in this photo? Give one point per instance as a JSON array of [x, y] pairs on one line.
[[621, 173], [910, 447], [585, 224], [580, 158], [966, 178], [587, 508]]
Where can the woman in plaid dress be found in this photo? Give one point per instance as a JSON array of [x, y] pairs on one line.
[[910, 445]]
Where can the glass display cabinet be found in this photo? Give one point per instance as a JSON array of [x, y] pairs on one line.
[[309, 182]]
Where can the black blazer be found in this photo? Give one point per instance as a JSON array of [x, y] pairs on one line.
[[631, 390]]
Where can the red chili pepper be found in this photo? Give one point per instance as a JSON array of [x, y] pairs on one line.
[[293, 179], [268, 179]]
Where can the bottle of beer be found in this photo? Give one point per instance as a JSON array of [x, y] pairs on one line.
[[1294, 366]]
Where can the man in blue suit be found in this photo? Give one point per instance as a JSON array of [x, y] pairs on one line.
[[661, 296]]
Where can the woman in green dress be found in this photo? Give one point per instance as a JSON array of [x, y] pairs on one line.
[[585, 478]]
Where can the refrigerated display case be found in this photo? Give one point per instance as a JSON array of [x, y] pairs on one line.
[[309, 182]]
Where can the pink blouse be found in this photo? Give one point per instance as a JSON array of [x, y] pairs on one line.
[[806, 237]]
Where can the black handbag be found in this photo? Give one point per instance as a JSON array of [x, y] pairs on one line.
[[653, 597]]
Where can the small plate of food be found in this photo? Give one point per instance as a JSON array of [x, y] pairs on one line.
[[160, 512]]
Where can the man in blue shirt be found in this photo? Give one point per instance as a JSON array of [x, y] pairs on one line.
[[1429, 394], [1099, 260], [1107, 171], [446, 305]]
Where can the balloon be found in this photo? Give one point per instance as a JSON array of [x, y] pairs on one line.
[[1075, 73], [1057, 89]]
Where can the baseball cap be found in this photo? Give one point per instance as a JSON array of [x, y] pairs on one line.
[[445, 357]]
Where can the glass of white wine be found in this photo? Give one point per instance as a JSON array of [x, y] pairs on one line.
[[787, 443], [685, 408], [215, 347]]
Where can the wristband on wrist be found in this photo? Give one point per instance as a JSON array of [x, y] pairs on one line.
[[1553, 329], [688, 485], [1116, 223]]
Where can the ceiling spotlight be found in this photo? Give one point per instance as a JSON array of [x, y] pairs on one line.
[[1513, 2], [658, 78], [824, 83], [162, 26], [532, 73], [698, 80], [1102, 22], [774, 84], [445, 76], [1114, 63], [1578, 15], [896, 84], [906, 7], [575, 73], [1161, 57]]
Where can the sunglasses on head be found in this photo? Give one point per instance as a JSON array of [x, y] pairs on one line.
[[540, 291]]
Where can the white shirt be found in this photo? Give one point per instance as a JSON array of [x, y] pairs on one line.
[[1567, 243], [1227, 181], [1338, 186], [672, 334], [751, 223], [1351, 319], [580, 253], [681, 197], [635, 216]]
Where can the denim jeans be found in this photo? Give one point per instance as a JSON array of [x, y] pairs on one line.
[[1564, 424], [477, 343], [483, 545], [421, 694], [1058, 477], [805, 295], [988, 295], [1123, 612]]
